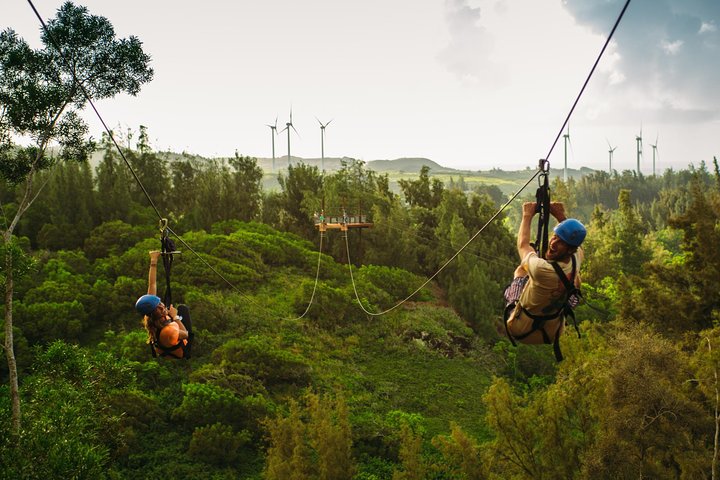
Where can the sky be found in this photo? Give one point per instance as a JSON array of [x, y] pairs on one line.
[[469, 84]]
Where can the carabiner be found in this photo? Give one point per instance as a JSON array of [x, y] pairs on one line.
[[544, 165]]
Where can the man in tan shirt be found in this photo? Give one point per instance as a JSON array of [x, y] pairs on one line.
[[538, 293]]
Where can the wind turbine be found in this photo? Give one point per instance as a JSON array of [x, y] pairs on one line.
[[638, 139], [610, 154], [566, 137], [654, 147], [273, 132], [322, 143], [288, 126]]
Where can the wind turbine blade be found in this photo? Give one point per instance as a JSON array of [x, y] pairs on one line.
[[319, 121], [329, 122], [293, 127], [276, 117], [608, 142], [282, 130]]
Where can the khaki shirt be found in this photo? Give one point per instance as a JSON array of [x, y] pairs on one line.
[[544, 294]]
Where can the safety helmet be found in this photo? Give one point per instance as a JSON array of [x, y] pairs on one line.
[[147, 303], [571, 231]]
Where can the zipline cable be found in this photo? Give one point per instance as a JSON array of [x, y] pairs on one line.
[[317, 275], [92, 104], [587, 80], [376, 314], [540, 170], [112, 138]]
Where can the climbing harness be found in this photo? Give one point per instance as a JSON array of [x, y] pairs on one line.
[[539, 321]]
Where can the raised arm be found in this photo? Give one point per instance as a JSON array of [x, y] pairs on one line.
[[152, 274], [523, 240], [557, 210]]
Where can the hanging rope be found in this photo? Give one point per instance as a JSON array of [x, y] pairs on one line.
[[317, 275]]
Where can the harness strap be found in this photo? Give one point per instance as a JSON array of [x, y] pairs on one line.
[[542, 198], [570, 289], [167, 246]]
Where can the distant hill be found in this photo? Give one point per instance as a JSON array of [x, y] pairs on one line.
[[409, 165], [396, 169], [406, 165]]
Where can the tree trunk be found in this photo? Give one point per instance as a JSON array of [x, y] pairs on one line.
[[717, 415], [9, 346]]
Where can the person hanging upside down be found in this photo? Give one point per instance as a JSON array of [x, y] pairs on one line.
[[169, 329], [537, 297]]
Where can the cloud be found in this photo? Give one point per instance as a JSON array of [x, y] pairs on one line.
[[468, 53], [671, 48], [707, 27], [667, 49]]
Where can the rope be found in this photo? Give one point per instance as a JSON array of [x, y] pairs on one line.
[[317, 275], [352, 279]]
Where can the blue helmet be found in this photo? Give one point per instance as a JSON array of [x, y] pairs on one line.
[[147, 303], [571, 232]]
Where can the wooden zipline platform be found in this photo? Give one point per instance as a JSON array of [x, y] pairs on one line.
[[342, 222]]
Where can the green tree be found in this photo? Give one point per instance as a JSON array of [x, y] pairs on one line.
[[311, 442], [112, 182], [617, 243], [41, 93], [246, 189], [650, 424], [302, 189], [461, 456], [422, 192], [70, 199], [71, 422]]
